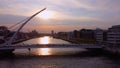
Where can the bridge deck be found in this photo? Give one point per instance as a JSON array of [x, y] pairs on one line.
[[49, 46]]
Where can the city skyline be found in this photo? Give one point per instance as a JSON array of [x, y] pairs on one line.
[[62, 15]]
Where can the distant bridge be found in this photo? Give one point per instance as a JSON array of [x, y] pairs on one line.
[[27, 46]]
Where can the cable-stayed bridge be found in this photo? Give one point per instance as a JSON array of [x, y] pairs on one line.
[[8, 44]]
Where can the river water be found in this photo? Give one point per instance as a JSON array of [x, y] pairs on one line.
[[56, 57]]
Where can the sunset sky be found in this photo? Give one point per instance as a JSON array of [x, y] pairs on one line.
[[62, 15]]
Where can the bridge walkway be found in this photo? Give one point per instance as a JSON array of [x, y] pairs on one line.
[[26, 46]]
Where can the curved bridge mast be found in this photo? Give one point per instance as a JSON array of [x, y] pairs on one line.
[[8, 43]]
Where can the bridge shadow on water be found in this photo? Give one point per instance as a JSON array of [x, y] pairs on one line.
[[81, 55], [84, 54]]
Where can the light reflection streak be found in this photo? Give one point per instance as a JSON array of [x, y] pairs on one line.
[[44, 40], [44, 51]]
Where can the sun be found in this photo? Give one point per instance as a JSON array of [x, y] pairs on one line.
[[46, 15]]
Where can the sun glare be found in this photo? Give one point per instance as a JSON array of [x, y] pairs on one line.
[[46, 15]]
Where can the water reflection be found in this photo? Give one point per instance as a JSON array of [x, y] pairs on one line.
[[48, 51], [44, 40], [44, 51]]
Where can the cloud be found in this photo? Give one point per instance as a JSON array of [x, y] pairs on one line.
[[107, 6], [21, 6], [67, 13]]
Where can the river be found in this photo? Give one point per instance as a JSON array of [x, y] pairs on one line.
[[56, 57]]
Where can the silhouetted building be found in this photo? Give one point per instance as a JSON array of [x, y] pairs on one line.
[[52, 33], [76, 34], [86, 33], [113, 35], [3, 31], [70, 35], [62, 34], [100, 35]]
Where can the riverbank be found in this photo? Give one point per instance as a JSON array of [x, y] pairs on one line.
[[71, 41], [113, 51], [25, 39], [78, 40]]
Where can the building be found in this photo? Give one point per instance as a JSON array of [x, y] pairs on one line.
[[100, 35], [52, 33], [3, 31], [86, 34], [113, 35], [70, 35], [76, 34], [62, 34]]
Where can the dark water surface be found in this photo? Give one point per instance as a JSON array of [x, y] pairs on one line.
[[56, 57]]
